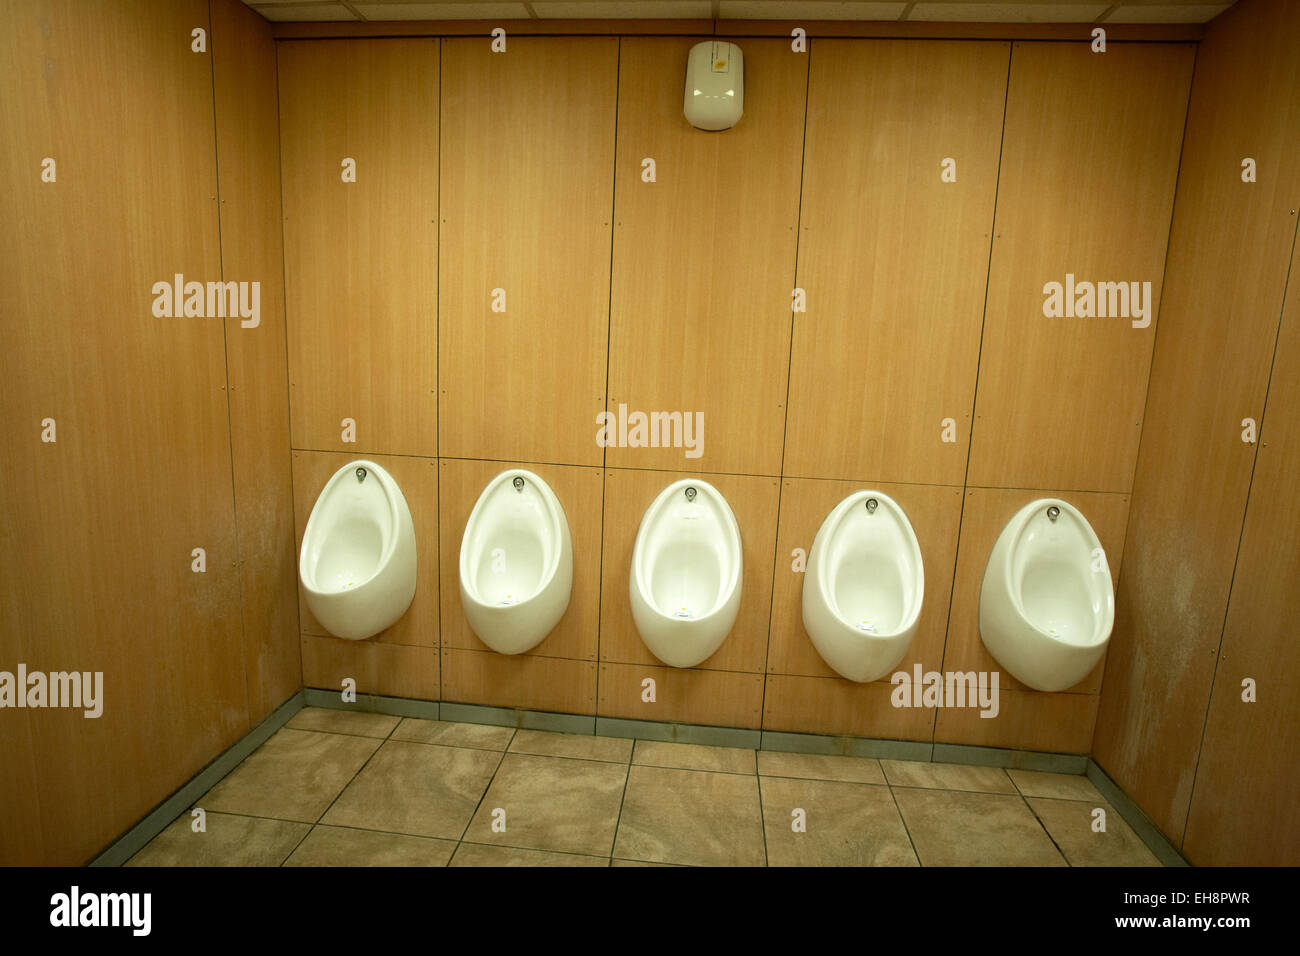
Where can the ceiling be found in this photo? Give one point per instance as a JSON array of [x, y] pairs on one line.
[[986, 11]]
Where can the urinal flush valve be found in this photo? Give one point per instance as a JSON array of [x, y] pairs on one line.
[[361, 474], [1053, 513], [872, 504], [690, 494], [519, 484]]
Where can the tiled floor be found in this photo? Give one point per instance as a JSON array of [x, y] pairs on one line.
[[354, 789]]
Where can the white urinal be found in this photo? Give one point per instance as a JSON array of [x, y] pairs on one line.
[[357, 565], [516, 562], [863, 586], [686, 573], [1047, 605]]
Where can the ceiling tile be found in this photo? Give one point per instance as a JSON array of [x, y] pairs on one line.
[[442, 11], [1005, 12], [304, 11], [809, 10], [1166, 12], [624, 9]]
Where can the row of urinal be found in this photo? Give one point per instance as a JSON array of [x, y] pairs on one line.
[[1046, 605]]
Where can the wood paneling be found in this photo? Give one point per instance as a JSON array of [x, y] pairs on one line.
[[935, 514], [1226, 277], [682, 695], [579, 491], [393, 670], [418, 480], [97, 529], [704, 257], [1243, 805], [986, 513], [824, 705], [893, 259], [361, 257], [1086, 187], [518, 680], [627, 496], [527, 160], [248, 180], [1026, 720]]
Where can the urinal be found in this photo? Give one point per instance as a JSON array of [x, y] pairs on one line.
[[863, 586], [516, 562], [1047, 605], [357, 565], [686, 573]]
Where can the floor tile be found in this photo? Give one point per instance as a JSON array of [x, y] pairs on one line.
[[1061, 786], [552, 803], [450, 733], [773, 763], [845, 824], [228, 841], [477, 854], [585, 746], [947, 776], [691, 816], [358, 723], [420, 789], [1070, 824], [656, 753], [950, 828], [295, 775], [638, 863], [342, 846]]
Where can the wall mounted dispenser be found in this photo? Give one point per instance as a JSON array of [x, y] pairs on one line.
[[715, 85]]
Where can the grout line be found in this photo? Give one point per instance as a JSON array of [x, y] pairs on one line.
[[899, 810], [1043, 827]]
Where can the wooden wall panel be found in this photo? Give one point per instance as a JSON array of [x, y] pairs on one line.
[[527, 161], [1225, 282], [688, 695], [418, 479], [361, 257], [518, 680], [393, 670], [935, 514], [1243, 806], [627, 496], [248, 180], [704, 256], [832, 705], [96, 530], [1026, 720], [580, 492], [894, 260], [1089, 161]]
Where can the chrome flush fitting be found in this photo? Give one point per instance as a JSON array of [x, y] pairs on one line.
[[690, 494], [872, 504], [361, 474], [519, 484], [1053, 513]]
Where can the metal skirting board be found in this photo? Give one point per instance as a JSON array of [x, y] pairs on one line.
[[156, 821]]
